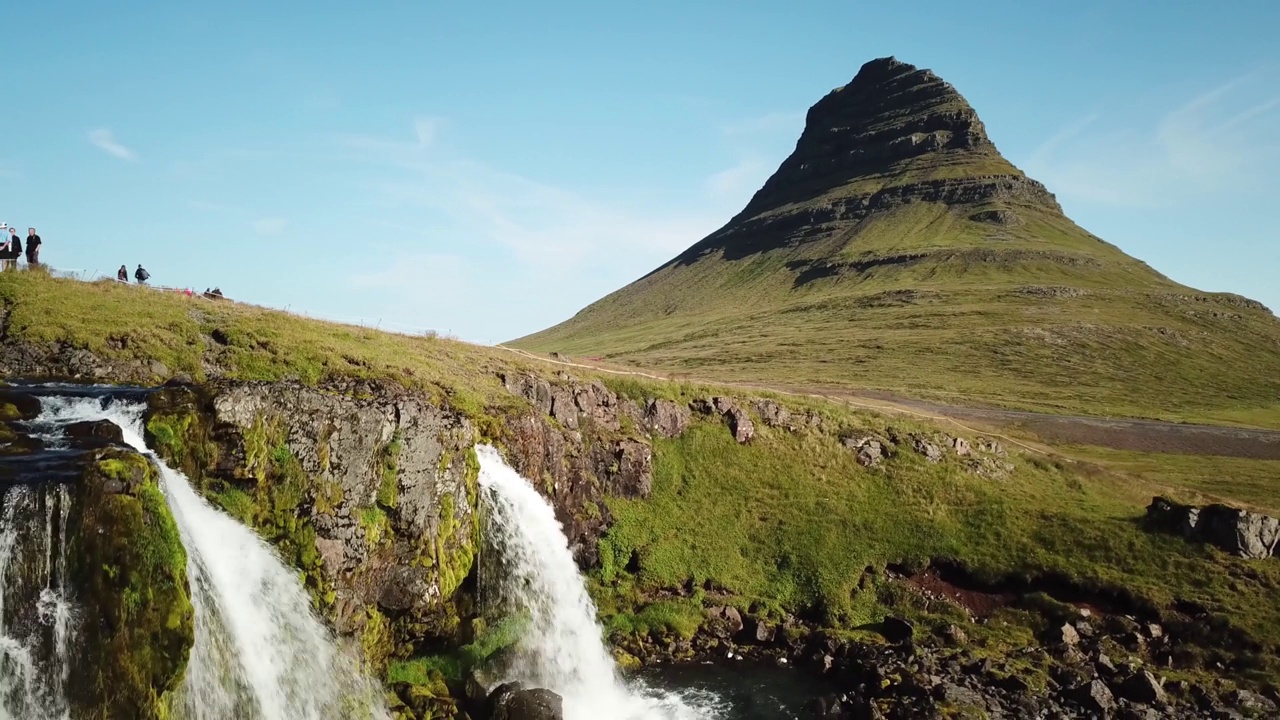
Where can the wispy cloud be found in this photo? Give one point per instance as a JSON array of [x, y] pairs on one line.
[[744, 177], [105, 140], [449, 226], [1220, 140], [269, 225]]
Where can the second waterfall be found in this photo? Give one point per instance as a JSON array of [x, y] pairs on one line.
[[562, 648]]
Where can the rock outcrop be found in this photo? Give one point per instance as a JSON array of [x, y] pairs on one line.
[[850, 160], [1239, 532]]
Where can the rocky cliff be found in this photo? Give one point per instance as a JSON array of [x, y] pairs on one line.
[[894, 135]]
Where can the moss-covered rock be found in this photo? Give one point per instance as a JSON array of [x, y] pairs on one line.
[[129, 568]]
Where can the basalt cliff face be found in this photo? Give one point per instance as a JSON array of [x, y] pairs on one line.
[[897, 249]]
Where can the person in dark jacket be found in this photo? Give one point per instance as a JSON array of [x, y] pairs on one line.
[[122, 274], [141, 275], [15, 248], [33, 247]]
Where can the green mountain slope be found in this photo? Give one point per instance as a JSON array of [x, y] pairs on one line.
[[896, 249]]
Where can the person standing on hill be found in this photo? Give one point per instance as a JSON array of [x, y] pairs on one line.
[[15, 248], [141, 275], [33, 248], [122, 274]]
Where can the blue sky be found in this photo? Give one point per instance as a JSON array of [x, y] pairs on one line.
[[485, 170]]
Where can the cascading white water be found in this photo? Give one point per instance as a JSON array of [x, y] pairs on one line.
[[260, 653], [36, 612], [562, 648]]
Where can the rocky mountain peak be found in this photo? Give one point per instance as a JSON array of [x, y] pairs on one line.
[[894, 134]]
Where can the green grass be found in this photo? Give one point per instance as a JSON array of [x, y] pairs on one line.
[[132, 327], [1193, 478], [793, 521], [958, 325]]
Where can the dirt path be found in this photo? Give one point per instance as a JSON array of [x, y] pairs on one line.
[[1150, 436]]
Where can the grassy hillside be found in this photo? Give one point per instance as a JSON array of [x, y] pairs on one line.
[[1026, 331], [790, 523], [793, 523], [941, 273], [134, 328]]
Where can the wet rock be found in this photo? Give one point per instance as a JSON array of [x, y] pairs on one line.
[[665, 418], [16, 405], [1240, 532], [95, 433], [512, 701]]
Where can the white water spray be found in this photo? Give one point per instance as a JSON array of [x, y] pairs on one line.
[[260, 653], [562, 649], [36, 611]]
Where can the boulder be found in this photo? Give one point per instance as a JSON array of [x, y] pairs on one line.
[[897, 630], [15, 405], [759, 631], [1142, 687], [774, 415], [1095, 697], [961, 447], [743, 429], [665, 418], [1065, 635], [512, 701], [1240, 532], [724, 622], [1252, 702], [95, 433], [930, 451], [869, 448]]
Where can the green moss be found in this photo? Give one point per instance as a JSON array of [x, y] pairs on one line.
[[376, 640], [9, 412], [375, 524], [129, 564], [453, 667], [389, 486]]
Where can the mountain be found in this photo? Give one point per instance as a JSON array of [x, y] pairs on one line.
[[896, 249]]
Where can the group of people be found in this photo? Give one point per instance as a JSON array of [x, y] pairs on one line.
[[141, 275], [11, 247]]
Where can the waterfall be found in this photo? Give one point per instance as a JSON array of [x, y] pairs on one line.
[[562, 649], [260, 652], [36, 610]]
